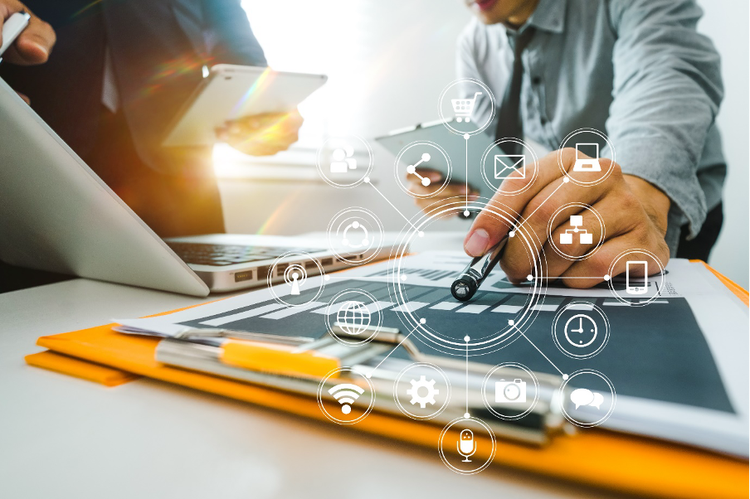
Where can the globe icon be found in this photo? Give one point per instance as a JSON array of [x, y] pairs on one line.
[[353, 317]]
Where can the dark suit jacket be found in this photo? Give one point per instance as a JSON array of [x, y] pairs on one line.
[[158, 49]]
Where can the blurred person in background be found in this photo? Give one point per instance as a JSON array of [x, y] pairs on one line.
[[119, 73]]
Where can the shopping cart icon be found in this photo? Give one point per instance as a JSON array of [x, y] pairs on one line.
[[464, 107]]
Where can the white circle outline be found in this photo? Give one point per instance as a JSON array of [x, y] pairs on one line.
[[611, 283], [446, 121], [328, 415], [334, 247], [321, 170], [567, 173], [342, 340], [445, 459], [611, 390], [398, 399], [498, 413], [399, 180], [483, 163], [272, 274], [411, 322], [589, 253], [605, 336]]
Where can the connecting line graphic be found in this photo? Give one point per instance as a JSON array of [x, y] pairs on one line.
[[466, 176], [369, 375], [605, 277], [565, 181], [467, 339], [367, 181], [564, 376]]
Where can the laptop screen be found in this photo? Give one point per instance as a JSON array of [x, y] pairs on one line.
[[587, 149]]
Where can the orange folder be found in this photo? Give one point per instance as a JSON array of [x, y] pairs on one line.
[[595, 457]]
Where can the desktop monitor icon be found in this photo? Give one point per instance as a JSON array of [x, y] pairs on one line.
[[587, 158]]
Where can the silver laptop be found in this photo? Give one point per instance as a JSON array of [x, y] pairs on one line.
[[56, 214]]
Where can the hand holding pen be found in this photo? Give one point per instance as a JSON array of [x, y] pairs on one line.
[[33, 42], [632, 215]]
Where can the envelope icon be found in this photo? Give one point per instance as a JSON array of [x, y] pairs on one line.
[[508, 164]]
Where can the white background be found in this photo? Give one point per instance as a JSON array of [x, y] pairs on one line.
[[387, 62]]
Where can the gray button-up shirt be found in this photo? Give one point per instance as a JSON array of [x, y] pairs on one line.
[[636, 70]]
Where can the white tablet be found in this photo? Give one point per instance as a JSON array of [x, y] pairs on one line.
[[230, 92], [455, 147]]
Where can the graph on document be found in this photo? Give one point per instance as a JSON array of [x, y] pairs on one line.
[[641, 360]]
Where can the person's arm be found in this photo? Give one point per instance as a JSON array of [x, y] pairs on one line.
[[667, 89], [231, 41], [230, 38]]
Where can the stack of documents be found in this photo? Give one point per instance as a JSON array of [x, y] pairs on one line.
[[679, 364]]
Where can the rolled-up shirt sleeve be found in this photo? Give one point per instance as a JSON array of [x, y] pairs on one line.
[[667, 90]]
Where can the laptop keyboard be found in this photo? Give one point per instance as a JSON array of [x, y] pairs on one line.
[[226, 254]]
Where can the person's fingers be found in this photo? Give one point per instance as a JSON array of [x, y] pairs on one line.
[[419, 189], [260, 122], [439, 201], [34, 44], [620, 215], [540, 210], [24, 97], [488, 229], [591, 271], [535, 204], [433, 175], [543, 217]]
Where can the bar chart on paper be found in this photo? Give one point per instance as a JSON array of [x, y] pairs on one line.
[[643, 358]]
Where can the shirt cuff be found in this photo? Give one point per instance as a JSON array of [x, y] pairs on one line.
[[670, 169]]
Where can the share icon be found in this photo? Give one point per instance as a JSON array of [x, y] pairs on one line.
[[412, 169]]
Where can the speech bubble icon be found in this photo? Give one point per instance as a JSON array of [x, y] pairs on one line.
[[582, 396], [598, 401]]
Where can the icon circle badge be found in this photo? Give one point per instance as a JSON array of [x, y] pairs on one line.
[[467, 445], [422, 390], [346, 396], [510, 391], [344, 162], [580, 329]]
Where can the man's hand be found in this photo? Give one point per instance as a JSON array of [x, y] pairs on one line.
[[34, 45], [436, 180], [634, 213], [262, 134]]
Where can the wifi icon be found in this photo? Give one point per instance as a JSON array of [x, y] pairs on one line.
[[346, 394]]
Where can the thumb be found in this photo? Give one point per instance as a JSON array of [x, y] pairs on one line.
[[486, 231]]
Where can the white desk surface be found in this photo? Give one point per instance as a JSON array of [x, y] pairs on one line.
[[62, 437]]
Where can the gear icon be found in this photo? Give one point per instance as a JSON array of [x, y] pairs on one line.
[[422, 400]]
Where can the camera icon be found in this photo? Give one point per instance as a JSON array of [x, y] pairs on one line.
[[510, 391]]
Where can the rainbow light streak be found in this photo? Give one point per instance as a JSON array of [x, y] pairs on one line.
[[84, 9], [263, 81], [171, 69]]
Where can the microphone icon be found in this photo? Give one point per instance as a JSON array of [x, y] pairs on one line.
[[466, 445]]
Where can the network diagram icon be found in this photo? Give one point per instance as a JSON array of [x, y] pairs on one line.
[[584, 236]]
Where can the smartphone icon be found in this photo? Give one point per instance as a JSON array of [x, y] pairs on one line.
[[636, 277]]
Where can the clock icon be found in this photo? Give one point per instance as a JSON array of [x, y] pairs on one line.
[[581, 330]]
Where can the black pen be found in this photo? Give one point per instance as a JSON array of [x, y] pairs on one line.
[[475, 273]]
